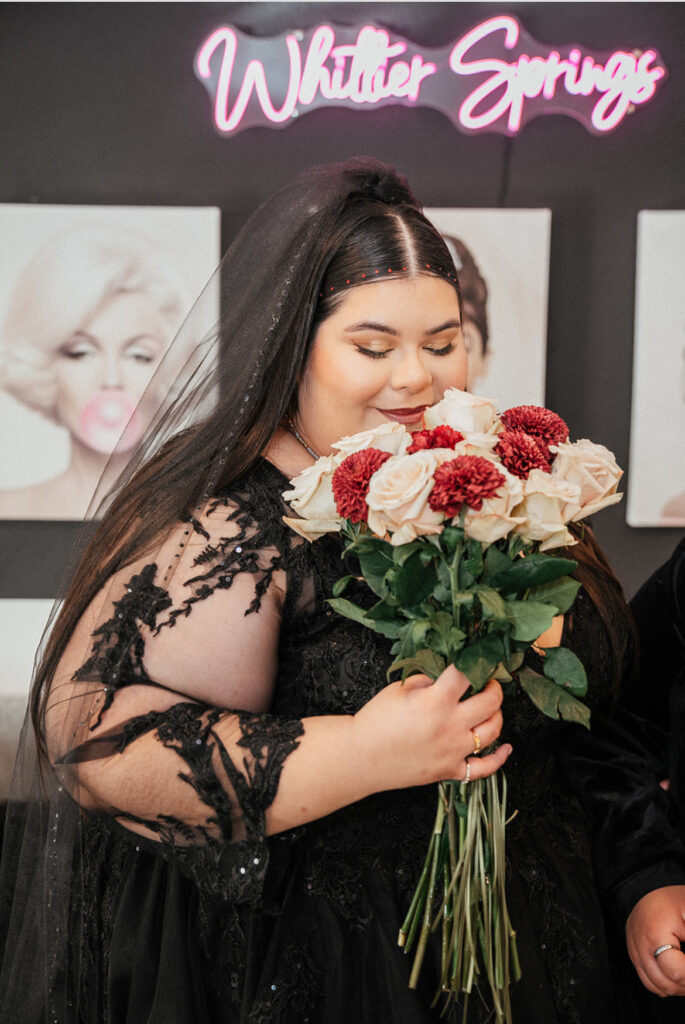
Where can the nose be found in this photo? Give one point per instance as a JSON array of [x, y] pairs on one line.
[[111, 370], [410, 372]]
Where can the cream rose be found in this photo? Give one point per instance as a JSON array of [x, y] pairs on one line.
[[463, 411], [593, 468], [478, 444], [495, 518], [548, 504], [398, 496], [388, 437], [311, 495]]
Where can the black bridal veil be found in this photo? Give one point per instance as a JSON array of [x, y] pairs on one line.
[[249, 313]]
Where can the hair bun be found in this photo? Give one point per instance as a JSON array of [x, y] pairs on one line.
[[372, 179]]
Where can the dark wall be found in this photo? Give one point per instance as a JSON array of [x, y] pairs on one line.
[[99, 104]]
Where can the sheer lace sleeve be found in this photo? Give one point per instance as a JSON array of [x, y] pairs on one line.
[[158, 718]]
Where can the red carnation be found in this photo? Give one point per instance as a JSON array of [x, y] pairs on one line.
[[466, 480], [351, 482], [437, 437], [536, 420], [520, 452]]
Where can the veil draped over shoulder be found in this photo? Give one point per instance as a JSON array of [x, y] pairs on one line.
[[108, 737]]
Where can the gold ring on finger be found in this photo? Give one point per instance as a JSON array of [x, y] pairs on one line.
[[476, 742]]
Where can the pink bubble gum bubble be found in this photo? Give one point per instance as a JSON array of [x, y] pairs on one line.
[[109, 423]]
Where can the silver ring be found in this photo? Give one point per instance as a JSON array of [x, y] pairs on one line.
[[468, 775], [662, 949]]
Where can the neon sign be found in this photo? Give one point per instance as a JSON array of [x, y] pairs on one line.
[[494, 78]]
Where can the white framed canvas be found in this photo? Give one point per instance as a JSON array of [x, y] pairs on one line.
[[656, 477], [502, 257], [23, 623], [90, 299]]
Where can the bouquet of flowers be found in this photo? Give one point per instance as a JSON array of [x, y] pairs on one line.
[[452, 527]]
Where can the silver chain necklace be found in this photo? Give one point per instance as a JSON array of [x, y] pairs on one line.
[[298, 436]]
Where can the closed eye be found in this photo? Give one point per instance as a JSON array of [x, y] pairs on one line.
[[373, 353]]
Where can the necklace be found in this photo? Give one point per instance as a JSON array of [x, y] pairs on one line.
[[298, 436]]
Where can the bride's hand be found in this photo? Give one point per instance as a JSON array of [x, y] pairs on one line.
[[418, 732]]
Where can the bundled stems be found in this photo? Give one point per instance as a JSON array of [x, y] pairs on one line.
[[466, 861]]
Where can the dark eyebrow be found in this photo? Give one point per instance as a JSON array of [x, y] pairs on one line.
[[448, 325], [371, 325]]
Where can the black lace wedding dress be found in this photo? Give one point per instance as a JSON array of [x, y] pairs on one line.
[[187, 913]]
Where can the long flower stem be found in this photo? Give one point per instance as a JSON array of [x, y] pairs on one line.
[[436, 843]]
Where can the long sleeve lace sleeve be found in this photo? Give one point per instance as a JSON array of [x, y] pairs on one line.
[[163, 728]]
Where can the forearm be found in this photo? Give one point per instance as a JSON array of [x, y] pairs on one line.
[[329, 769]]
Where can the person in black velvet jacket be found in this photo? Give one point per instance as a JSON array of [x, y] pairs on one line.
[[630, 775]]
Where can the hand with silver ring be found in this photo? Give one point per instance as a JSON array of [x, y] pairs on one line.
[[655, 930]]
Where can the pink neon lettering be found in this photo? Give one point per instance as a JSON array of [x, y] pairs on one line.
[[361, 73], [624, 80], [254, 78], [371, 69]]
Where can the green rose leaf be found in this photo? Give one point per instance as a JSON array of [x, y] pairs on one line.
[[402, 552], [529, 618], [491, 602], [374, 561], [446, 638], [425, 661], [566, 670], [552, 700], [472, 566], [339, 585], [413, 637], [352, 611], [532, 571], [561, 593], [495, 563], [479, 659], [412, 582], [450, 537]]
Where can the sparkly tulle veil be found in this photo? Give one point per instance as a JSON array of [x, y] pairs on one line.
[[253, 323]]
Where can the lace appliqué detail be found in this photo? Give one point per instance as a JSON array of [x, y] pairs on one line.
[[117, 652], [292, 994], [232, 870]]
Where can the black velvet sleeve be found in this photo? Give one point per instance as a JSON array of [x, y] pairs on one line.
[[616, 769]]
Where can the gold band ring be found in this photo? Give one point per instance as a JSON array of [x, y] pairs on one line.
[[476, 742]]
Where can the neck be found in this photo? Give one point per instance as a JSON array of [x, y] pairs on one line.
[[293, 429]]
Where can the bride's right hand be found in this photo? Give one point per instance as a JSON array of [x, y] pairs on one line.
[[418, 732]]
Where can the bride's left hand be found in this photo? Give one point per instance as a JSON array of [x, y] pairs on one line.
[[656, 920]]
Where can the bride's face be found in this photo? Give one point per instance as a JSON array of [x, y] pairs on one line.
[[389, 350]]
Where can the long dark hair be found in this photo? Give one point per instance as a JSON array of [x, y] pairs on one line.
[[380, 228]]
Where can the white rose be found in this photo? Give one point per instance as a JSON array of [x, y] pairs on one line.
[[312, 497], [388, 437], [495, 518], [312, 529], [593, 468], [398, 496], [463, 411], [549, 503], [478, 444]]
